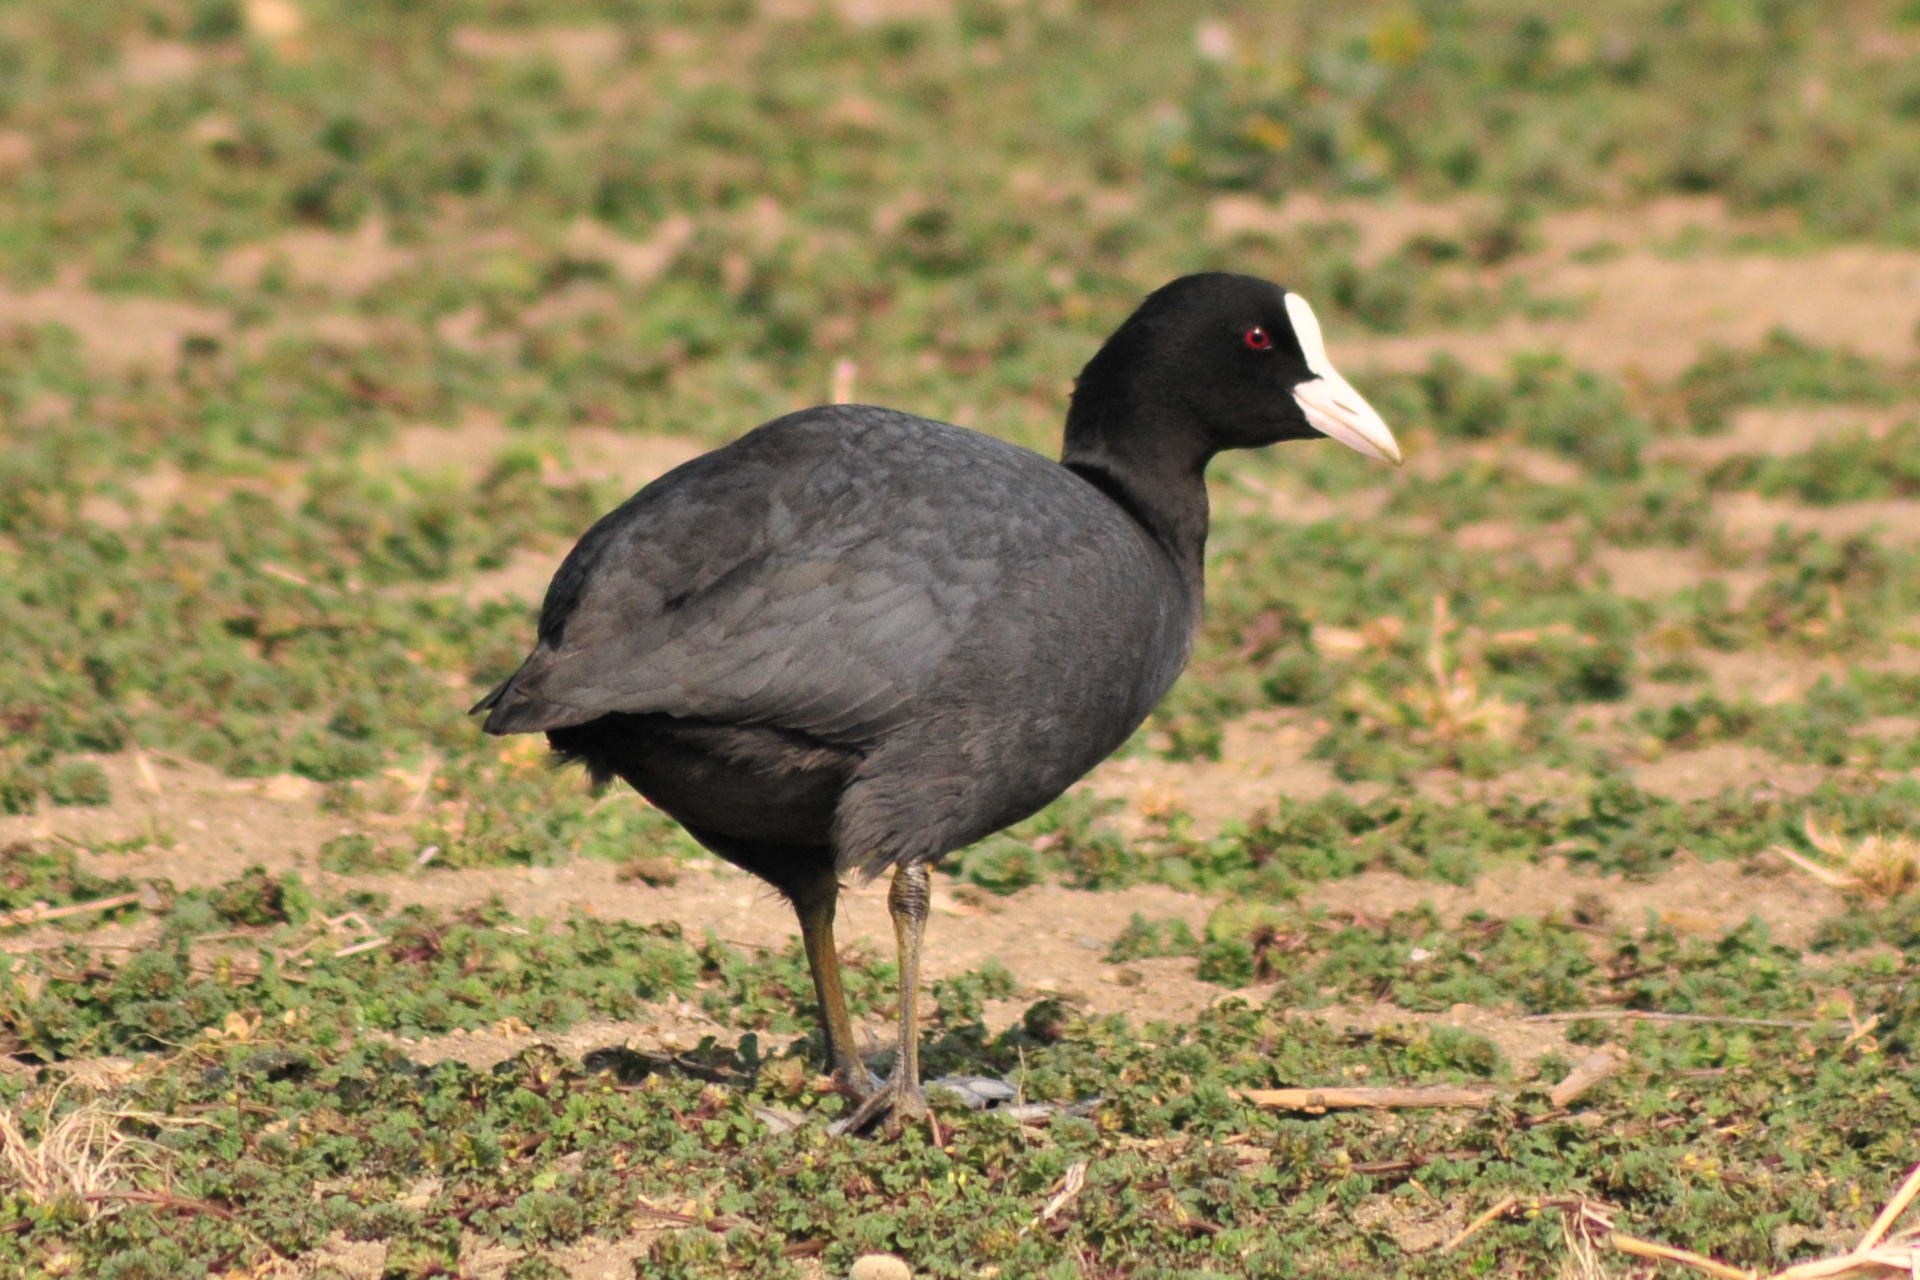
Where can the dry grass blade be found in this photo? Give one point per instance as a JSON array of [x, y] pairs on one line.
[[1316, 1101], [83, 1156], [1070, 1187], [1870, 1258], [40, 911], [1881, 866], [1449, 707], [1891, 1214], [1580, 1217], [1667, 1253]]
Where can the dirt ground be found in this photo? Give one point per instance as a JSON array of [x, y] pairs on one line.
[[1672, 285], [1053, 939]]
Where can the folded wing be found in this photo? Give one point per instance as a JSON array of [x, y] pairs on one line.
[[811, 576]]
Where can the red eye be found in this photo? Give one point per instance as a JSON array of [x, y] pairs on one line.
[[1258, 339]]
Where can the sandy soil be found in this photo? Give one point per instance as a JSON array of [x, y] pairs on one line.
[[1671, 287], [1779, 432], [1053, 939], [1657, 285]]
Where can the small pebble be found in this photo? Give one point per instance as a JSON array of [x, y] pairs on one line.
[[879, 1266]]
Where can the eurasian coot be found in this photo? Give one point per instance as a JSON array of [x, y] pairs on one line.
[[855, 639]]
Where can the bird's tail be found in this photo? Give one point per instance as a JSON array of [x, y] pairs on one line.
[[514, 707]]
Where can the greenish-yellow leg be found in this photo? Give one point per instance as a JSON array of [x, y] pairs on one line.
[[901, 1098], [815, 907]]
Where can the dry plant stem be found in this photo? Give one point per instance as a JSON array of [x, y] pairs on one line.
[[1864, 1260], [1606, 1061], [1889, 1215], [1636, 1015], [1826, 875], [36, 914], [1901, 1261], [1667, 1253], [1478, 1224], [1590, 1210], [160, 1199], [1316, 1101], [1071, 1185]]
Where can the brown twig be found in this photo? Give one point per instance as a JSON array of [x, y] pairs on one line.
[[1868, 1258], [1667, 1253], [1608, 1060], [160, 1199], [40, 911], [1643, 1015], [1473, 1228], [1895, 1207], [1318, 1101], [1592, 1211]]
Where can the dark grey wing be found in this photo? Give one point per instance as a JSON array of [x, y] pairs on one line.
[[813, 575]]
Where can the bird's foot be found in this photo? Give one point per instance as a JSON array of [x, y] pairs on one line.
[[856, 1083], [899, 1102]]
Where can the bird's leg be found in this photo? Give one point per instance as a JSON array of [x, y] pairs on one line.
[[902, 1097], [815, 905]]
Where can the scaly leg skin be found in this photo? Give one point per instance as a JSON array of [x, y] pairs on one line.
[[901, 1099], [815, 905]]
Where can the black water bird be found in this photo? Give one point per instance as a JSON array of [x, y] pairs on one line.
[[855, 639]]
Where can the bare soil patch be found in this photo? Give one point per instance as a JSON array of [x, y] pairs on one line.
[[468, 450], [1263, 756], [1705, 898], [1657, 315], [591, 1258], [1754, 518], [1666, 283], [1240, 490], [1767, 676], [346, 266], [120, 333], [1655, 573], [1703, 774], [199, 826], [1779, 432], [1552, 546], [1051, 938], [1520, 1042], [1385, 226], [581, 53]]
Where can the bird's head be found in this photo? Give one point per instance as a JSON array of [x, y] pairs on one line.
[[1234, 360]]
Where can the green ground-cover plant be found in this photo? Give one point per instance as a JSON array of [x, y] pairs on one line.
[[44, 872], [411, 973], [292, 1134], [1786, 369], [678, 217], [1851, 467], [1606, 824]]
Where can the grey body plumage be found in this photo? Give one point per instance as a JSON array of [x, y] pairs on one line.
[[832, 631], [855, 639]]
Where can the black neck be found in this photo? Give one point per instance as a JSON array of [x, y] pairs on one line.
[[1151, 464]]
